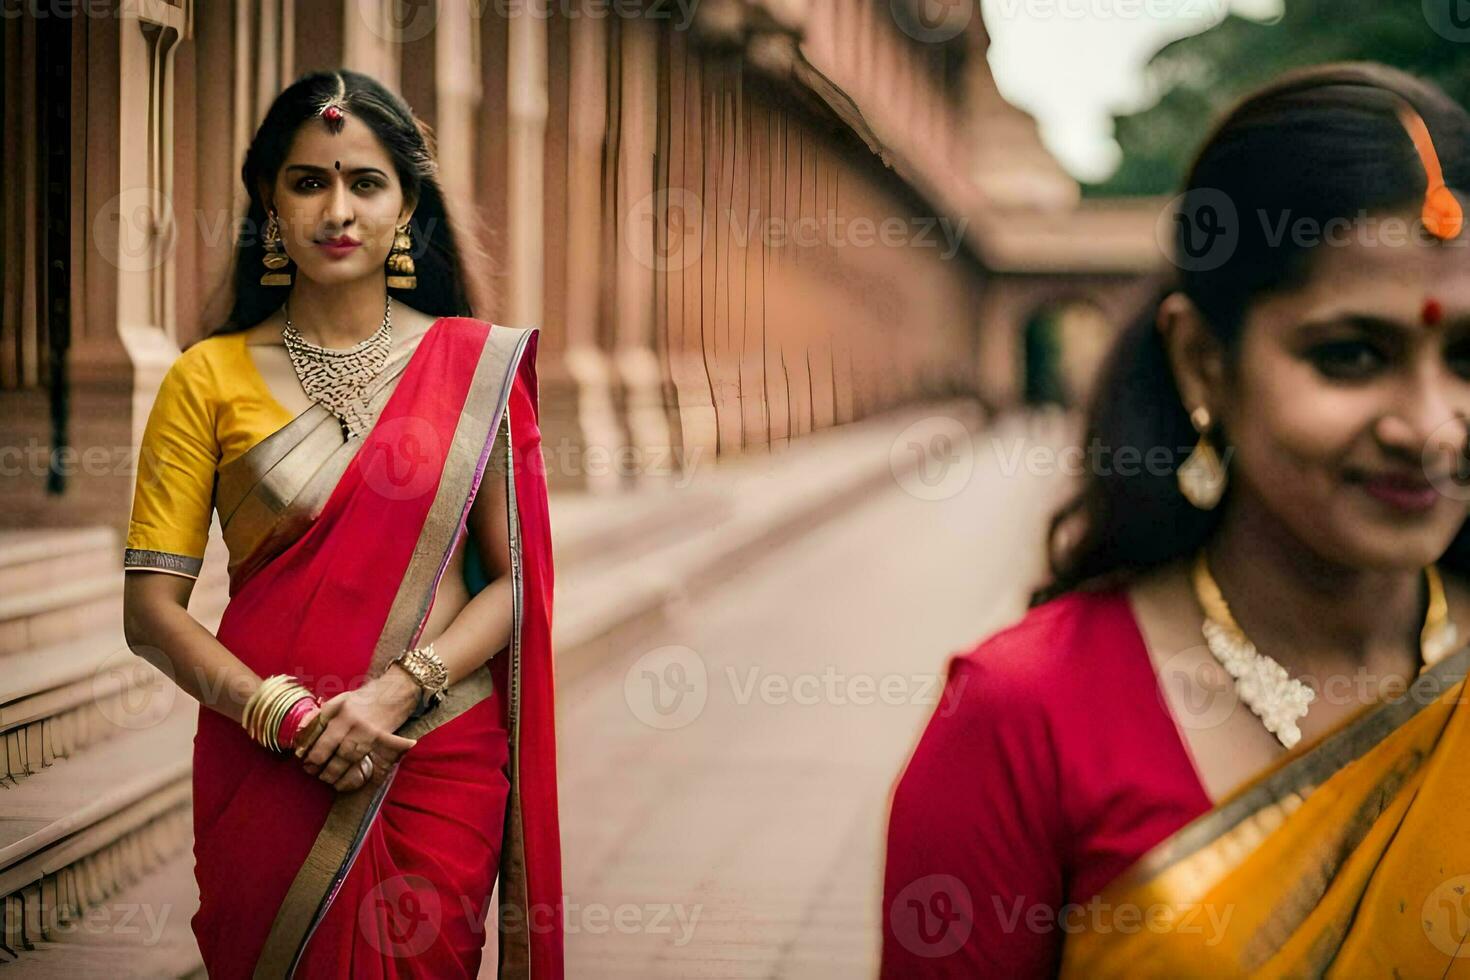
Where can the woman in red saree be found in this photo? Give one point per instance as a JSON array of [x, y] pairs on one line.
[[1229, 737], [374, 849]]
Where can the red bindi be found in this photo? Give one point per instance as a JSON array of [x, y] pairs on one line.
[[1432, 313], [332, 113]]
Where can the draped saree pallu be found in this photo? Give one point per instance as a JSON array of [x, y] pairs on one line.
[[337, 549], [1349, 860]]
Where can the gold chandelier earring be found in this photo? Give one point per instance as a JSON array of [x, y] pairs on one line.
[[400, 261], [275, 259], [1202, 476]]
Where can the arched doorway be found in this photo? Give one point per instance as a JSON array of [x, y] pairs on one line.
[[1063, 344]]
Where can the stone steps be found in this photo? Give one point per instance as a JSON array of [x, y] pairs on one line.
[[57, 585], [96, 863], [56, 700], [74, 835]]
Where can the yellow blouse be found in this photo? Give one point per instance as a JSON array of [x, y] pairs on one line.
[[212, 407]]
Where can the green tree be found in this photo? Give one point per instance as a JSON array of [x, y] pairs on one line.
[[1196, 78]]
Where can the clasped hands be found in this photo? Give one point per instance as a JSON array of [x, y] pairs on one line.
[[355, 724]]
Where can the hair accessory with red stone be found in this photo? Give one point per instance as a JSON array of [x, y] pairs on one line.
[[334, 109]]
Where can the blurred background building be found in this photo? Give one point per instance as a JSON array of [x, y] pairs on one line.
[[736, 222]]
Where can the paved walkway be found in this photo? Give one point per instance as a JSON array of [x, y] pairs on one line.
[[725, 780]]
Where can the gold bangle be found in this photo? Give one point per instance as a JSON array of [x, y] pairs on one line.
[[278, 711], [269, 716], [256, 700], [428, 671], [267, 707]]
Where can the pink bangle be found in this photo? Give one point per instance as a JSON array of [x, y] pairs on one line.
[[291, 723]]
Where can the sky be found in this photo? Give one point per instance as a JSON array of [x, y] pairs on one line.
[[1074, 63]]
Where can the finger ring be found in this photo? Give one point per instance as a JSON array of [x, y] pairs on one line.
[[365, 764]]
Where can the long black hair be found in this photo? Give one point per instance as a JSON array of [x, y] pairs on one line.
[[1323, 144], [410, 144]]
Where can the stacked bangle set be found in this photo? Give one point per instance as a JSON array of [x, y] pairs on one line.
[[273, 714]]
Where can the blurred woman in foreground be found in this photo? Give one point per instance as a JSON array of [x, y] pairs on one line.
[[1228, 736]]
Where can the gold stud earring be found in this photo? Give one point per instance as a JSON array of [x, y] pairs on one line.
[[400, 261], [275, 258], [1202, 476]]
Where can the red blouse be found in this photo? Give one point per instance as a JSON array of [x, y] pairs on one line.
[[1050, 765]]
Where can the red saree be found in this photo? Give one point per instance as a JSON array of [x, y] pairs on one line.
[[295, 878]]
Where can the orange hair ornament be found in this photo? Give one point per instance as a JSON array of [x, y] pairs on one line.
[[1442, 213]]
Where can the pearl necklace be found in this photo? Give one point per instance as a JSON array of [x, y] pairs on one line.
[[1280, 701], [338, 379]]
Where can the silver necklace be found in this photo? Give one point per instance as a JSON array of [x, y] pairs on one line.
[[338, 379]]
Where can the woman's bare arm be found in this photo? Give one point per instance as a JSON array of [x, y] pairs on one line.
[[158, 627], [483, 627]]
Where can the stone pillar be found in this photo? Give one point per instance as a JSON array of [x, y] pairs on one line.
[[640, 374], [525, 231], [370, 40], [579, 418]]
